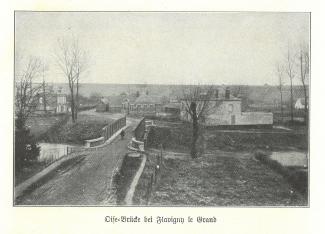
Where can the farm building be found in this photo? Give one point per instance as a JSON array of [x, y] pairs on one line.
[[225, 110]]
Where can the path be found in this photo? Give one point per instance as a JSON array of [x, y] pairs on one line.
[[129, 195], [86, 181]]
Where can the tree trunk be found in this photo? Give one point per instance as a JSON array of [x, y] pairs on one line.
[[304, 87], [291, 100], [195, 130], [281, 103], [306, 103], [44, 97], [72, 101], [77, 100]]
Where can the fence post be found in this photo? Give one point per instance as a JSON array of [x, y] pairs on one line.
[[149, 188]]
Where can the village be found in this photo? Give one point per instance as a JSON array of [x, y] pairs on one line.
[[89, 140]]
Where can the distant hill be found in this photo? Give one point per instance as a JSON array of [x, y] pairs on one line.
[[265, 94]]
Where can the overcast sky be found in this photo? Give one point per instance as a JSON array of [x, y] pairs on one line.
[[167, 48]]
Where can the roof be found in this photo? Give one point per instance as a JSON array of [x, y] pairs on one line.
[[116, 100], [173, 105], [151, 99], [212, 97], [104, 100]]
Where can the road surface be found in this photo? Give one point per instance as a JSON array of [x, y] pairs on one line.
[[85, 180]]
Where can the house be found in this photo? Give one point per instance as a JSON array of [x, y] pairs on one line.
[[224, 110], [300, 104], [52, 102]]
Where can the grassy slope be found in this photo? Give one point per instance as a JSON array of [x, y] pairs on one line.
[[86, 127], [220, 179]]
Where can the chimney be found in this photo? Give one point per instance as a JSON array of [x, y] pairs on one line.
[[217, 93], [227, 93]]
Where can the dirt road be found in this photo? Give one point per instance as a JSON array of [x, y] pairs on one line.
[[83, 181]]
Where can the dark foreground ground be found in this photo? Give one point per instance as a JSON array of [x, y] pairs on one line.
[[218, 178]]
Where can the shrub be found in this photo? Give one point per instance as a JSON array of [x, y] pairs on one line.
[[26, 148]]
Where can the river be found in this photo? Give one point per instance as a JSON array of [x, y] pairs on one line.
[[291, 158], [52, 152]]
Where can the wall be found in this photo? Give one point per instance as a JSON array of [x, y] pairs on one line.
[[245, 118], [248, 118]]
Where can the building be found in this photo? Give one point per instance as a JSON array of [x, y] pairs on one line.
[[172, 108], [52, 102], [224, 110], [300, 104], [144, 104], [103, 105]]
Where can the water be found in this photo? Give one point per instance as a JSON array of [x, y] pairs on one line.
[[51, 152], [291, 158]]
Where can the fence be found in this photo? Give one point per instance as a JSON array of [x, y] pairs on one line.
[[155, 175], [110, 129]]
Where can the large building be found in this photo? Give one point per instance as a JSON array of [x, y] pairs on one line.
[[144, 104], [223, 109]]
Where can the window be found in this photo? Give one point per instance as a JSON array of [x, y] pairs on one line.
[[230, 108]]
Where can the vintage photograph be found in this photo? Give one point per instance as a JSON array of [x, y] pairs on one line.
[[176, 109]]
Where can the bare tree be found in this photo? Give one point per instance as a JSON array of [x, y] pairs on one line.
[[280, 86], [73, 62], [26, 90], [196, 100], [304, 72], [44, 68], [290, 62]]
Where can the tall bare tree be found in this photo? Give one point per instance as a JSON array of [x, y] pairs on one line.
[[44, 68], [280, 86], [290, 64], [196, 100], [73, 62], [304, 73], [26, 90]]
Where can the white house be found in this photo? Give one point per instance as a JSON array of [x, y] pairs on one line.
[[300, 104], [224, 109]]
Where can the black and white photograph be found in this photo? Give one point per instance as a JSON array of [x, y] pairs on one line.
[[161, 109]]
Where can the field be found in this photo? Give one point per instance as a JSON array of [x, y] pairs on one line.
[[227, 172], [218, 178], [177, 136]]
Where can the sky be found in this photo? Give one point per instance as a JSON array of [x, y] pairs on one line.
[[166, 47]]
